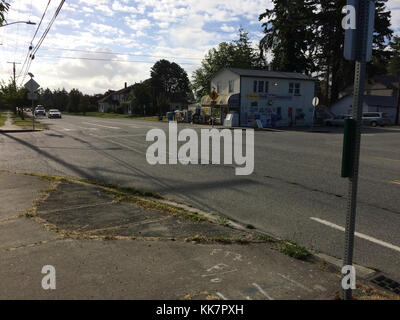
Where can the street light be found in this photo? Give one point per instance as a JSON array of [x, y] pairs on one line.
[[27, 22]]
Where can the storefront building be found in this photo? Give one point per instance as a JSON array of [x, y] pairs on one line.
[[275, 98]]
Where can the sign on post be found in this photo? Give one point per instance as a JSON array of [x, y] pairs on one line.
[[358, 47], [359, 34], [32, 85], [315, 102]]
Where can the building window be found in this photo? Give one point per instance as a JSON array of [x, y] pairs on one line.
[[297, 88], [260, 86], [255, 87], [231, 86], [218, 87], [294, 88], [254, 104], [266, 86]]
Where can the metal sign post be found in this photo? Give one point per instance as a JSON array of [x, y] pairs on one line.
[[315, 103], [32, 86], [361, 46], [213, 95]]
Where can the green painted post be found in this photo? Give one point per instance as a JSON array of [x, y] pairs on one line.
[[348, 145]]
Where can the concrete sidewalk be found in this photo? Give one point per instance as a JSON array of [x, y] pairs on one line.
[[8, 126], [122, 244]]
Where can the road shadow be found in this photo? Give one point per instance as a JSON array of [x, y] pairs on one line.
[[338, 130]]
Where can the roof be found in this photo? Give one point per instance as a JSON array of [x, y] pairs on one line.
[[382, 101], [127, 89], [376, 101], [270, 74]]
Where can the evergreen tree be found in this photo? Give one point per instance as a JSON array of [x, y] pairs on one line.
[[307, 36]]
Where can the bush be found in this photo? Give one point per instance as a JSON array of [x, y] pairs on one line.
[[120, 110]]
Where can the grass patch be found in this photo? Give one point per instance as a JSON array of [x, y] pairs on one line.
[[222, 240], [114, 116], [223, 221], [293, 250], [26, 123], [3, 118], [98, 114], [265, 238]]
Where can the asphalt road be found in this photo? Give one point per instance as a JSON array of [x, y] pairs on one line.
[[295, 191]]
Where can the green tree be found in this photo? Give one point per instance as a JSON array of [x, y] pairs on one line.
[[84, 103], [236, 54], [61, 99], [170, 81], [46, 98], [141, 99], [288, 35], [307, 36], [163, 104], [74, 98], [394, 62], [13, 98], [4, 6]]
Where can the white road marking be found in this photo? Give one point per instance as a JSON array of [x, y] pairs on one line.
[[99, 125], [121, 135], [358, 234], [295, 282], [221, 296], [262, 291]]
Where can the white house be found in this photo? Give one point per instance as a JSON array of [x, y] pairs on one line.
[[117, 99], [387, 104], [275, 98]]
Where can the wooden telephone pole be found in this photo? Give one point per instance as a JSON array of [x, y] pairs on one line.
[[15, 84]]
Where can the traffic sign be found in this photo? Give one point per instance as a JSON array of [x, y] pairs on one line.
[[358, 40], [32, 85], [315, 102]]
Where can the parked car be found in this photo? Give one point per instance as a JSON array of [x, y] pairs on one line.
[[336, 120], [54, 113], [40, 111], [376, 119]]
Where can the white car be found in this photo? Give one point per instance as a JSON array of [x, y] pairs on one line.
[[54, 113]]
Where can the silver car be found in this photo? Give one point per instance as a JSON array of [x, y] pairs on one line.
[[336, 120], [375, 119]]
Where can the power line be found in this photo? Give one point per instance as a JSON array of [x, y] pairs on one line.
[[109, 60], [36, 48], [33, 38], [121, 54]]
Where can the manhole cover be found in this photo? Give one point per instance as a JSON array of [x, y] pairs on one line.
[[387, 284]]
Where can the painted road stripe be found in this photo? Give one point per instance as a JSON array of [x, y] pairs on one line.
[[99, 125], [360, 235], [221, 296], [388, 159], [262, 291]]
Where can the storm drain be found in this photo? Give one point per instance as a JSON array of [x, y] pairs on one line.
[[387, 284]]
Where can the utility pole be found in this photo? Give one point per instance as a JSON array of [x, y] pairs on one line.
[[15, 83], [358, 47], [398, 103]]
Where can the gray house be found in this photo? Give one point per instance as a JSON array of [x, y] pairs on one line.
[[387, 104]]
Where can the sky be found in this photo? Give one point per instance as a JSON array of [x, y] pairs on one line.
[[134, 34]]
